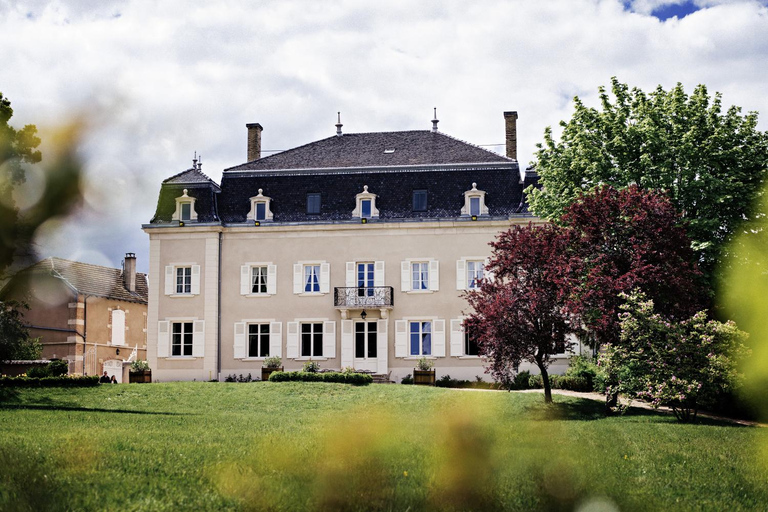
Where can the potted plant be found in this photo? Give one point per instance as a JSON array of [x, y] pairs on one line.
[[271, 364], [139, 372], [424, 372]]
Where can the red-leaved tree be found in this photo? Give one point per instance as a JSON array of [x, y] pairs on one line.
[[519, 315]]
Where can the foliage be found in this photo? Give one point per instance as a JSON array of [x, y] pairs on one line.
[[15, 342], [273, 362], [238, 378], [586, 367], [408, 379], [424, 364], [679, 364], [63, 381], [520, 381], [520, 315], [357, 379], [139, 366], [447, 382], [55, 368], [621, 240], [310, 367], [712, 163]]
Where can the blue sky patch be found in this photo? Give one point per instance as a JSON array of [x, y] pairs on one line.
[[665, 12]]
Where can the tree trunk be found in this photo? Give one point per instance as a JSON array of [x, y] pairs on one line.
[[545, 381]]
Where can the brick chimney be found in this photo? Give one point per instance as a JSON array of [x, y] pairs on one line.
[[254, 141], [510, 123], [129, 272]]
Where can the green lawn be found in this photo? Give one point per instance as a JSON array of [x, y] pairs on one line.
[[313, 446]]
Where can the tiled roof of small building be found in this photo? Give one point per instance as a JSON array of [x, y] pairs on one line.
[[192, 175], [416, 147], [91, 279]]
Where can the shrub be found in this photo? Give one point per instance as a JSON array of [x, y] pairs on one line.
[[63, 381], [38, 372], [584, 367], [311, 367], [446, 382], [357, 379], [424, 364], [521, 380], [58, 367], [408, 379], [273, 362], [580, 384], [139, 366]]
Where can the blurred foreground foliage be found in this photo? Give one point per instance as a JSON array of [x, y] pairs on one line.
[[55, 191]]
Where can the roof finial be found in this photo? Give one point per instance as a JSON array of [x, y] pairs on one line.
[[435, 121], [194, 161], [200, 162], [338, 126]]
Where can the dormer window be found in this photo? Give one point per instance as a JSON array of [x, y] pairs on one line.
[[260, 208], [474, 203], [185, 208], [365, 205], [419, 200]]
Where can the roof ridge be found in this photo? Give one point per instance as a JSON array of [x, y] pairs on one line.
[[195, 169], [83, 263]]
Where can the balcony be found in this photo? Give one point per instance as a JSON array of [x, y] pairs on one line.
[[369, 297]]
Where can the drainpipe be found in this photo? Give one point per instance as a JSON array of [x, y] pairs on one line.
[[218, 321]]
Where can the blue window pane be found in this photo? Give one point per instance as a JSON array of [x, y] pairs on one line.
[[419, 200], [313, 204], [415, 344], [366, 208], [186, 211], [474, 206], [261, 211]]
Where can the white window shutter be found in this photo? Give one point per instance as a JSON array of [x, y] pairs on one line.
[[434, 275], [457, 337], [272, 279], [245, 280], [276, 339], [405, 276], [329, 339], [461, 274], [347, 343], [438, 338], [382, 346], [195, 279], [298, 278], [170, 281], [351, 280], [239, 340], [163, 338], [198, 337], [292, 341], [378, 273], [118, 327], [401, 338], [325, 277]]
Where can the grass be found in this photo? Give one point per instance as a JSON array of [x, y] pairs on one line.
[[314, 446]]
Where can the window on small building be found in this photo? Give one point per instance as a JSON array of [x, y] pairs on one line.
[[118, 327], [421, 338], [183, 280], [313, 203], [312, 340], [419, 200], [181, 339], [258, 340]]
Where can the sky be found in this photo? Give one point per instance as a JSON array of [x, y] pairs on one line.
[[158, 81]]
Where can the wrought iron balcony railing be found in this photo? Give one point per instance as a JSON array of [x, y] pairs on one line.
[[363, 297]]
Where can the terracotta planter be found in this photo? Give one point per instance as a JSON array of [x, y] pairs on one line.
[[140, 377], [424, 377], [266, 372]]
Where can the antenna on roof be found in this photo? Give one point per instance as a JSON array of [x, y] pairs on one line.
[[194, 161], [338, 125], [435, 121]]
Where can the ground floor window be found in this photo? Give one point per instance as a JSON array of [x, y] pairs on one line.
[[421, 338], [365, 340], [258, 340], [181, 340], [470, 344], [312, 339]]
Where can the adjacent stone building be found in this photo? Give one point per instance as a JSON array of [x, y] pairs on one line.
[[353, 250]]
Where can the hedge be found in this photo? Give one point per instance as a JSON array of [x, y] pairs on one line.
[[561, 382], [49, 382], [358, 379]]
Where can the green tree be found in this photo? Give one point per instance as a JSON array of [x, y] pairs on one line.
[[712, 164], [61, 188], [15, 342]]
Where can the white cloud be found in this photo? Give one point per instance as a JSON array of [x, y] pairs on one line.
[[162, 80]]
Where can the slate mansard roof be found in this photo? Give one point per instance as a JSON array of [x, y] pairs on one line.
[[391, 164], [87, 279]]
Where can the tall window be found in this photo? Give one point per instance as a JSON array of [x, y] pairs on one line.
[[474, 206], [181, 339], [313, 204], [184, 280], [311, 278], [312, 340], [470, 344], [258, 340], [365, 279], [419, 200], [258, 279], [421, 338], [365, 340], [365, 208], [474, 274], [420, 276], [261, 211], [186, 211]]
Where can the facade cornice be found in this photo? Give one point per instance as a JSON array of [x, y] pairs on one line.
[[511, 165]]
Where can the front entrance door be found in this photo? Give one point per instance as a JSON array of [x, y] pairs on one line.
[[366, 346]]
